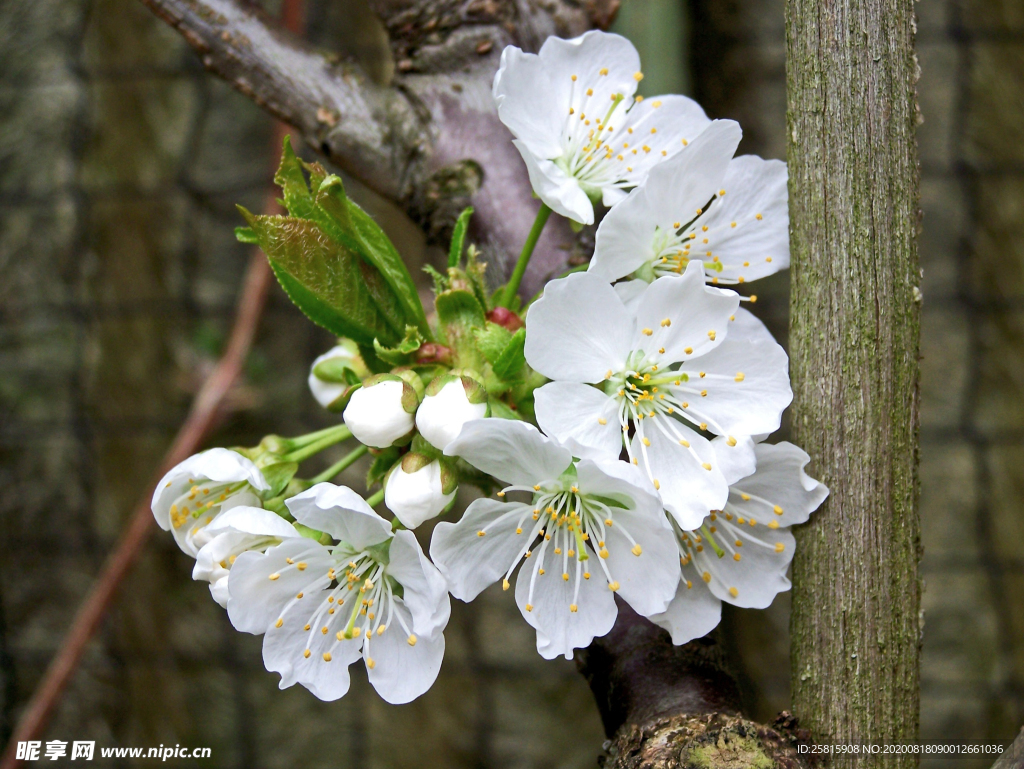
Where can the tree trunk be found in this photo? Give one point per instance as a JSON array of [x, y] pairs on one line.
[[853, 186]]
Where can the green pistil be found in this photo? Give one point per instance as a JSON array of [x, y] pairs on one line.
[[711, 541], [357, 603]]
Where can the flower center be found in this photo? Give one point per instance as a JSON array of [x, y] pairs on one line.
[[203, 496]]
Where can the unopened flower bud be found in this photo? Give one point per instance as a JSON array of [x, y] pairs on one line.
[[333, 374], [419, 488], [450, 402], [380, 413]]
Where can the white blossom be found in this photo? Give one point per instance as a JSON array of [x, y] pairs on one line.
[[449, 403], [418, 489], [196, 491], [728, 213], [373, 595], [660, 370], [230, 534], [330, 374], [381, 412], [589, 530], [582, 133], [741, 553]]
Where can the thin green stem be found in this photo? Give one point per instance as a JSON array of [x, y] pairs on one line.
[[328, 438], [304, 440], [512, 288], [342, 464], [376, 499]]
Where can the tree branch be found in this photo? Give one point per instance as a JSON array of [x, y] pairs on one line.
[[431, 141]]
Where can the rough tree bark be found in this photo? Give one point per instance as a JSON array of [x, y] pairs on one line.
[[853, 186]]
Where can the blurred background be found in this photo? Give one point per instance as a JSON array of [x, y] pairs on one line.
[[120, 165]]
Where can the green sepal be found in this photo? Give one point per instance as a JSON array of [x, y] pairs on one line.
[[459, 237], [246, 235], [501, 410], [414, 462], [402, 352], [459, 308], [449, 476], [337, 371], [323, 279], [441, 283], [420, 445], [575, 226], [512, 358], [278, 475], [381, 552], [492, 340], [383, 461], [309, 533]]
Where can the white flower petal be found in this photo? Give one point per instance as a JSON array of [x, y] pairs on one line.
[[440, 417], [677, 314], [341, 513], [416, 497], [326, 393], [560, 630], [285, 649], [559, 191], [688, 490], [578, 331], [747, 327], [754, 580], [748, 228], [375, 414], [190, 534], [735, 456], [673, 193], [425, 590], [693, 613], [252, 520], [402, 671], [257, 597], [630, 291], [515, 452], [581, 417], [217, 465], [780, 483], [739, 388], [470, 562]]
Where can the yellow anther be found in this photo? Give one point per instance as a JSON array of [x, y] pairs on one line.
[[306, 654], [504, 584], [688, 350], [657, 484], [540, 572], [773, 524], [323, 630], [279, 622], [274, 576], [327, 656], [779, 547], [565, 577], [529, 607], [646, 441], [603, 71], [731, 441], [306, 626], [481, 533], [711, 335], [759, 217], [706, 465], [301, 566], [574, 78], [370, 663], [777, 509], [380, 630], [573, 608], [604, 552], [340, 635], [613, 586], [519, 529], [684, 442], [737, 557], [590, 92], [638, 76], [298, 596], [602, 421], [411, 640], [637, 550], [703, 394]]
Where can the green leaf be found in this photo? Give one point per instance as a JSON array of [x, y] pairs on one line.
[[512, 358], [323, 278], [501, 410], [246, 235], [401, 353], [441, 283], [459, 237], [346, 222], [279, 475], [492, 341], [297, 197]]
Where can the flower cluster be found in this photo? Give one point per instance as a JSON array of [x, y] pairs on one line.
[[619, 418]]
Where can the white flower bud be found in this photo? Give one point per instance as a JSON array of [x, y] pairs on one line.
[[377, 413], [443, 413], [415, 490], [334, 373]]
